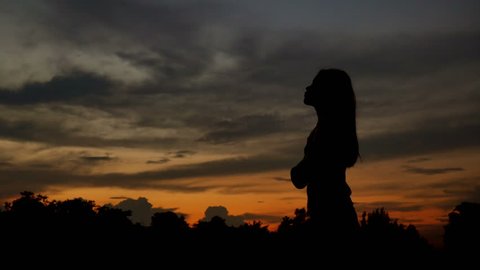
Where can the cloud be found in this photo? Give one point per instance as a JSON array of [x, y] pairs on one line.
[[267, 218], [97, 158], [264, 96], [410, 220], [283, 179], [450, 191], [222, 212], [222, 78], [419, 160], [175, 154], [242, 128], [5, 164], [431, 171], [424, 138], [181, 153], [235, 122], [40, 179], [229, 166], [158, 161], [474, 195], [458, 190], [62, 88], [142, 209], [77, 126], [251, 188], [388, 205], [237, 220]]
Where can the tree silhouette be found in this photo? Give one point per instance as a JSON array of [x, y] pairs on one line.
[[28, 205], [73, 228], [113, 218], [216, 227], [75, 213], [462, 233], [383, 234], [295, 224], [169, 225]]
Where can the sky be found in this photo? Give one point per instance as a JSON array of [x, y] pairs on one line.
[[197, 105]]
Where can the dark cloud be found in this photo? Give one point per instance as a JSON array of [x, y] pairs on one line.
[[5, 164], [252, 188], [62, 88], [181, 153], [388, 205], [243, 128], [97, 158], [429, 194], [457, 190], [267, 218], [431, 171], [184, 187], [424, 138], [158, 161], [221, 211], [230, 166], [41, 179], [136, 18], [418, 139], [410, 220], [258, 88], [14, 180], [219, 75], [408, 56], [474, 195], [237, 220], [443, 194], [419, 160], [54, 133], [142, 209], [452, 183], [283, 179], [41, 165]]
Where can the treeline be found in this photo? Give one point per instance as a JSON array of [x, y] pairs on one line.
[[78, 228]]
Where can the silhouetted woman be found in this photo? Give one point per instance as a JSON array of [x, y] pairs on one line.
[[331, 148]]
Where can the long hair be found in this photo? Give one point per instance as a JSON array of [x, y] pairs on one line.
[[336, 106]]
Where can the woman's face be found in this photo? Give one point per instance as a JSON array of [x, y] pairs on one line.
[[312, 92]]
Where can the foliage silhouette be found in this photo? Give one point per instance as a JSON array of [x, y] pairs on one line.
[[463, 229], [385, 234], [72, 228]]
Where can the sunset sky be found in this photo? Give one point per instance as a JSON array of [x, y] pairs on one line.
[[194, 104]]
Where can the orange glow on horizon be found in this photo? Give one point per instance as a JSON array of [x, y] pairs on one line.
[[411, 198]]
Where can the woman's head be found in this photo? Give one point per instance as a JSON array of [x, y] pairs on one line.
[[332, 95], [332, 89]]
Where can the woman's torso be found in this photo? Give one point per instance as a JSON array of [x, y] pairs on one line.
[[324, 153]]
